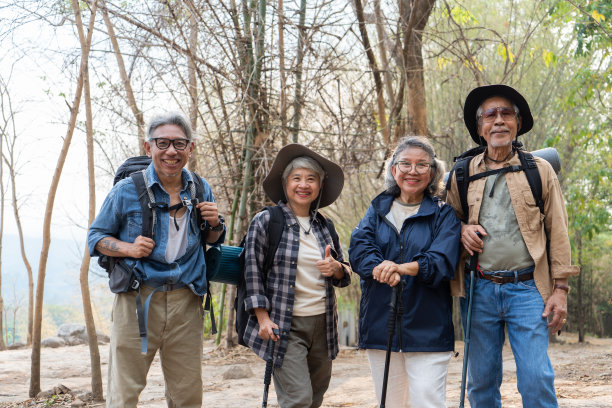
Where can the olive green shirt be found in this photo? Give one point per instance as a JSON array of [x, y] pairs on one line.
[[534, 226]]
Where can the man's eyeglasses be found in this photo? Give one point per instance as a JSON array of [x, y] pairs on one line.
[[406, 167], [491, 114], [163, 143]]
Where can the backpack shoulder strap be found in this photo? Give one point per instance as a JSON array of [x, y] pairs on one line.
[[275, 231], [198, 197], [332, 229], [143, 197], [533, 177], [462, 171]]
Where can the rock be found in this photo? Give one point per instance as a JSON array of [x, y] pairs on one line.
[[77, 403], [53, 342], [74, 334], [102, 338], [237, 372], [74, 340], [72, 329], [16, 346]]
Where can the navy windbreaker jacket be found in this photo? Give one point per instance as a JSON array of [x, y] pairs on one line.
[[432, 238]]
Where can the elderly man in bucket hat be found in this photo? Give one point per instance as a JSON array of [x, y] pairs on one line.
[[296, 295], [524, 259]]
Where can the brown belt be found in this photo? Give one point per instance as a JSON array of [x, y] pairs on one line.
[[506, 279]]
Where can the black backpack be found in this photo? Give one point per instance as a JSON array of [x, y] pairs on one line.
[[462, 165], [275, 231], [123, 278]]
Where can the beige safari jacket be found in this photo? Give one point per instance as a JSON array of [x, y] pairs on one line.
[[534, 226]]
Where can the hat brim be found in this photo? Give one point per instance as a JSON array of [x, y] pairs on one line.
[[478, 95], [332, 184]]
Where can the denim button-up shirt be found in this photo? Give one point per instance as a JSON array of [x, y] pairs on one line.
[[121, 217]]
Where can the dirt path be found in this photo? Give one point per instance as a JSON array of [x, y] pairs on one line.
[[583, 377]]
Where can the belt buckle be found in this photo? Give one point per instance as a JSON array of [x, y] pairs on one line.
[[498, 280]]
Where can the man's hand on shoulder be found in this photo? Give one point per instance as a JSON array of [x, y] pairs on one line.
[[209, 212], [141, 247]]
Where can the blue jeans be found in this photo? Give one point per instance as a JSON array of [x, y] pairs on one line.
[[518, 307]]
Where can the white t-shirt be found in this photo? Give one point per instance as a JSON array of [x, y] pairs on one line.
[[400, 211], [177, 239], [309, 283]]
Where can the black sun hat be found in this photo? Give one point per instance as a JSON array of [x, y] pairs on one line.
[[332, 183], [478, 95]]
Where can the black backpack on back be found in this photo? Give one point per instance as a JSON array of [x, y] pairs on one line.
[[275, 231], [123, 278], [462, 165]]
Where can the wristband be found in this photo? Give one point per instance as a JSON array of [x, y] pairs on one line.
[[219, 226], [564, 288]]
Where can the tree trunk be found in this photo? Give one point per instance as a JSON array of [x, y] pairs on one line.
[[2, 344], [92, 337], [414, 16], [138, 115], [283, 78], [46, 236], [580, 322], [380, 99], [7, 154], [193, 85], [11, 165], [297, 102]]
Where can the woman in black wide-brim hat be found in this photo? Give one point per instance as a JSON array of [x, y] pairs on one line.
[[296, 295]]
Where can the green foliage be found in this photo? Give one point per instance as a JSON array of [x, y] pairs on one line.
[[593, 28], [51, 401]]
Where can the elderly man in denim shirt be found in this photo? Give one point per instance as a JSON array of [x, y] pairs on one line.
[[171, 266]]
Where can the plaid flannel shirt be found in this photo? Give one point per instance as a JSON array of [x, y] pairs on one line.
[[277, 294]]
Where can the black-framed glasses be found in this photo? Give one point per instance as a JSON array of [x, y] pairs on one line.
[[490, 115], [163, 143], [420, 168]]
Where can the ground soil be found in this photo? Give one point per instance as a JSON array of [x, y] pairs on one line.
[[583, 377]]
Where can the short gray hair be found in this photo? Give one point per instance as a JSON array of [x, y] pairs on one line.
[[479, 110], [303, 162], [437, 170], [169, 118]]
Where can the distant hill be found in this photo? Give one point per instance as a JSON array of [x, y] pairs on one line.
[[62, 276]]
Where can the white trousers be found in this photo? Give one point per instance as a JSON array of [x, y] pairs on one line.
[[416, 379]]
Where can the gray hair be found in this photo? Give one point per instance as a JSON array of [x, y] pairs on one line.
[[479, 110], [437, 170], [169, 118], [303, 162]]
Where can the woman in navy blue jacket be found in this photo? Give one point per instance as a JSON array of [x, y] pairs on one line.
[[408, 237]]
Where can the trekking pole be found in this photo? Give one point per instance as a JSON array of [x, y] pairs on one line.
[[466, 335], [269, 368], [391, 328]]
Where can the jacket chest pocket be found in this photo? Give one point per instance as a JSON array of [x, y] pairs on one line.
[[134, 225], [530, 212]]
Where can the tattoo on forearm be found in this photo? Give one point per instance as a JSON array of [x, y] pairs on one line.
[[110, 245]]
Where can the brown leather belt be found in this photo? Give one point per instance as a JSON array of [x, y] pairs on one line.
[[506, 279]]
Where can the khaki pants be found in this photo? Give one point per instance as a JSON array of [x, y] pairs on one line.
[[306, 371], [175, 326]]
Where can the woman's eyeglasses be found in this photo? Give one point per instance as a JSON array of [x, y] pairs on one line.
[[406, 167]]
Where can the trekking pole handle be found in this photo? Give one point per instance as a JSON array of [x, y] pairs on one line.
[[474, 258]]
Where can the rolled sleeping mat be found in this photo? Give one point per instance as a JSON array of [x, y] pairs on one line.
[[550, 154], [223, 264]]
